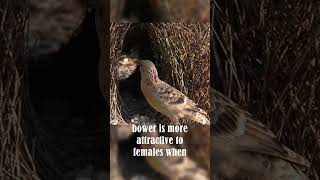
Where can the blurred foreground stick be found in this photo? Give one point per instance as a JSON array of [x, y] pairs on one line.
[[181, 10], [174, 167]]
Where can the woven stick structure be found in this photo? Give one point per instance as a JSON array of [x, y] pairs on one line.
[[16, 161], [117, 35], [182, 50]]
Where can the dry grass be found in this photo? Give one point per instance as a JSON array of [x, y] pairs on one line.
[[15, 159], [182, 53], [117, 35], [267, 59]]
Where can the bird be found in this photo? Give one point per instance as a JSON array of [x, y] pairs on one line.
[[166, 99], [246, 149]]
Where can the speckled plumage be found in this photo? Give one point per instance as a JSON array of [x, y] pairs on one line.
[[244, 148], [166, 99]]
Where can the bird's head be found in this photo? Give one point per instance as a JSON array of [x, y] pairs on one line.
[[148, 70]]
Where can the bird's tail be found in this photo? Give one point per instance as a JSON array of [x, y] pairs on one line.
[[201, 118]]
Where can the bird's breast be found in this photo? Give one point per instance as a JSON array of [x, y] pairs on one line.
[[149, 92]]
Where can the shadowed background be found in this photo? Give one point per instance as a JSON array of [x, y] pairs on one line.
[[266, 58]]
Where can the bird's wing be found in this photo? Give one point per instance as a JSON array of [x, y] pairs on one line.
[[232, 124], [174, 97]]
